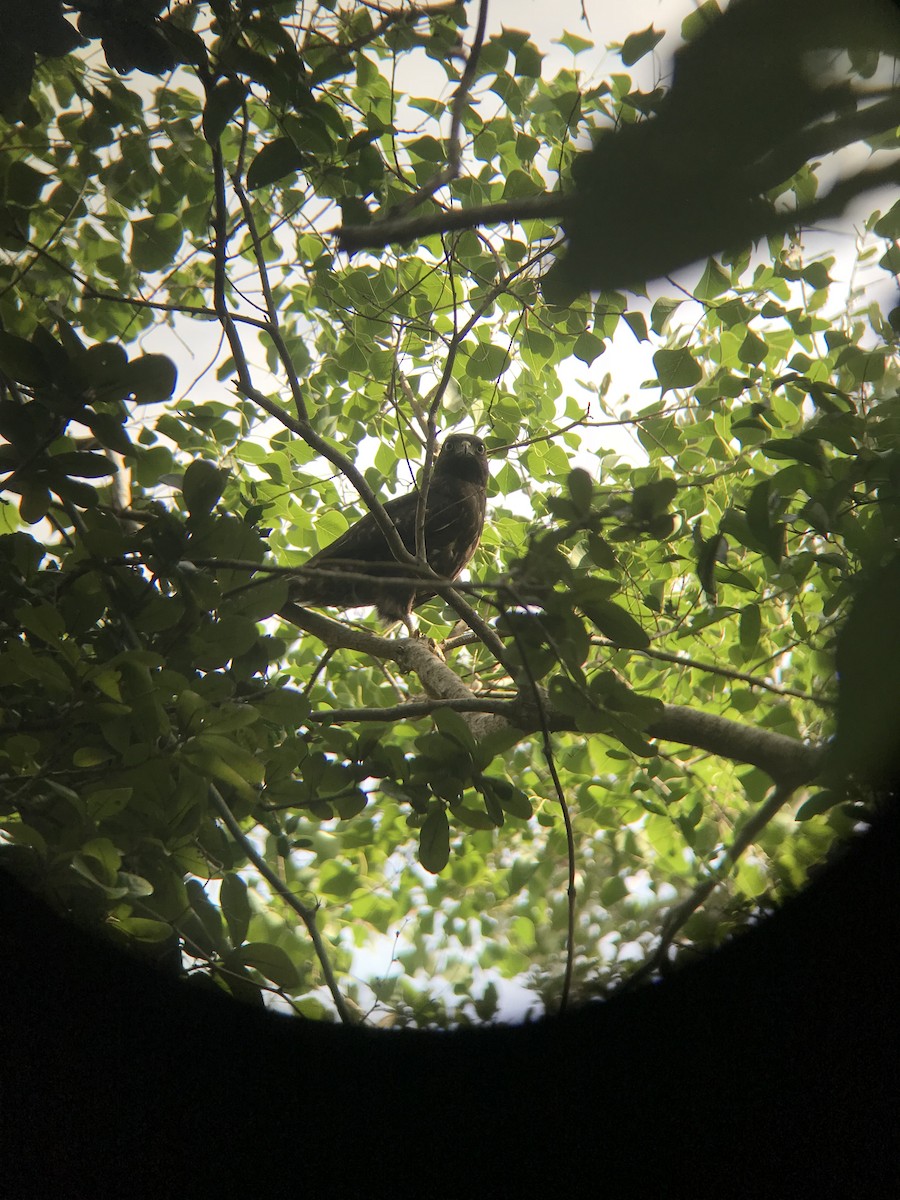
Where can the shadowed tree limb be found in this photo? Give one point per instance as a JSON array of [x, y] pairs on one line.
[[786, 760]]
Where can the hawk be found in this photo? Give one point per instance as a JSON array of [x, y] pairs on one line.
[[454, 518]]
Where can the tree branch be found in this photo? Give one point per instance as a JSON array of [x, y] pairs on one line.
[[682, 660], [408, 229], [306, 915], [786, 760]]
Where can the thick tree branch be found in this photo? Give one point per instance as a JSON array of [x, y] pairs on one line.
[[556, 206], [787, 761]]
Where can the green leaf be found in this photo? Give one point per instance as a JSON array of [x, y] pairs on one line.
[[661, 312], [676, 369], [818, 803], [762, 523], [614, 890], [750, 627], [797, 448], [753, 349], [636, 45], [528, 61], [615, 623], [143, 929], [510, 798], [588, 347], [454, 726], [83, 465], [202, 486], [651, 499], [24, 183], [713, 282], [276, 160], [487, 361], [697, 22], [581, 488], [151, 378], [206, 931], [573, 42], [637, 323], [427, 148], [520, 183], [221, 104], [271, 961], [21, 361], [155, 241], [888, 226], [108, 802], [711, 551], [235, 906], [41, 619], [434, 841]]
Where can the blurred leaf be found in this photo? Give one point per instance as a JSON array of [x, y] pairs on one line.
[[271, 961], [676, 369], [615, 623], [202, 486], [434, 842], [636, 45]]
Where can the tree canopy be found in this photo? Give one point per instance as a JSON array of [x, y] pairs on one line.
[[610, 749]]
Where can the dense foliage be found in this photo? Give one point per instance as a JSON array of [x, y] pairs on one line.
[[618, 754]]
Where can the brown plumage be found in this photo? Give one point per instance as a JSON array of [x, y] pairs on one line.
[[454, 518]]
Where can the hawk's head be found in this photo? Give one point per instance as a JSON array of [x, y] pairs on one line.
[[463, 456]]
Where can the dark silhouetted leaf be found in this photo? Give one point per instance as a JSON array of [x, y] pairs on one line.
[[274, 162], [434, 842]]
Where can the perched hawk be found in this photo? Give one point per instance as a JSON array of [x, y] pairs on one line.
[[454, 518]]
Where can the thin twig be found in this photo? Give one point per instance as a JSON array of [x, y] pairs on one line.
[[547, 745], [306, 915], [682, 660]]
